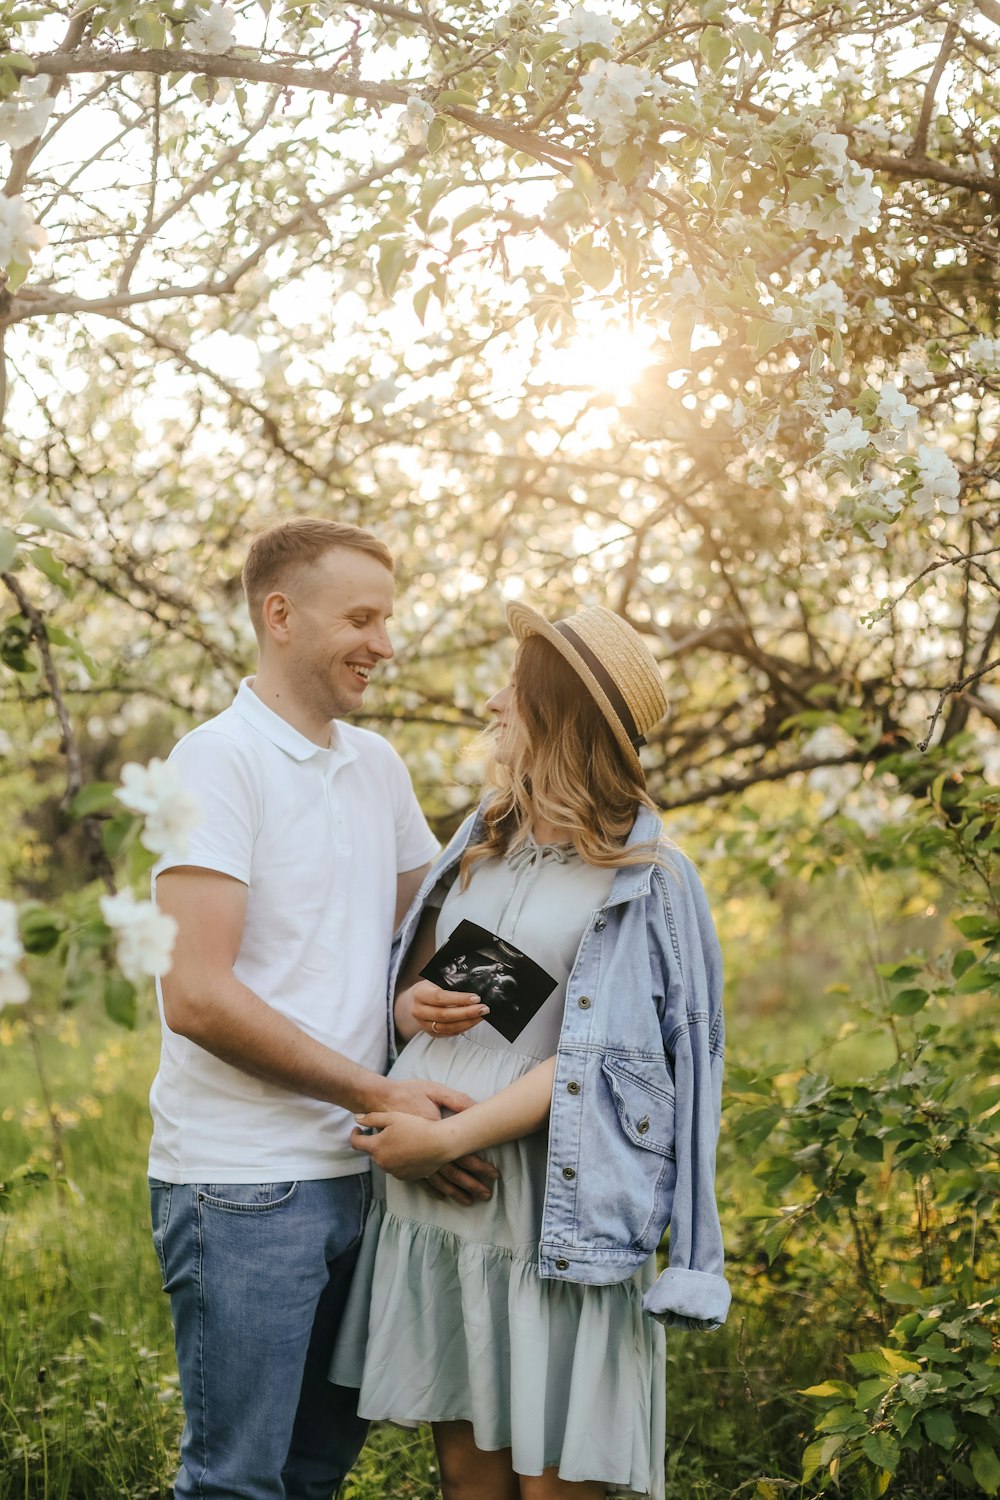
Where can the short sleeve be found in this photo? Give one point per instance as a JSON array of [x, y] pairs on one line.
[[215, 770], [415, 844]]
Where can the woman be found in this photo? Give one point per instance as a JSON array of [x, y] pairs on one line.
[[517, 1327]]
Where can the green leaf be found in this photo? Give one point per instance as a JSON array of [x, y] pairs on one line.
[[457, 96], [883, 1450], [811, 1460], [47, 520], [17, 272], [41, 929], [471, 216], [45, 560], [420, 299], [986, 1468], [119, 832], [391, 260], [437, 132], [595, 264], [829, 1388], [765, 335], [977, 927], [628, 162], [120, 1001], [8, 548], [96, 797], [908, 1002], [714, 47], [939, 1427], [902, 1293]]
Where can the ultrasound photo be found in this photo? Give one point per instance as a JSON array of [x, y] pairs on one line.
[[507, 980]]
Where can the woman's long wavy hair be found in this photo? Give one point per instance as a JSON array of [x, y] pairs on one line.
[[563, 766]]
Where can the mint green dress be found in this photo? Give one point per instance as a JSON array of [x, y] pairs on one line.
[[447, 1317]]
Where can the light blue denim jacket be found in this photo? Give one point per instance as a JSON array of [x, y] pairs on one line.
[[638, 1085]]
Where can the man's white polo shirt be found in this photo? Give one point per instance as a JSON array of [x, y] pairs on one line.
[[318, 837]]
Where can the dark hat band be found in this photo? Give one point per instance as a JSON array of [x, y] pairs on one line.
[[606, 681]]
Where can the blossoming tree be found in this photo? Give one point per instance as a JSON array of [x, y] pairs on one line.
[[685, 307]]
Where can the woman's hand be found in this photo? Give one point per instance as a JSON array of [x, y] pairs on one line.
[[442, 1012], [406, 1146]]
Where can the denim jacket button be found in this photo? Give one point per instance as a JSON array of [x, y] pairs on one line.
[[643, 1125], [584, 1002], [573, 1087], [600, 924], [562, 1265], [568, 1173]]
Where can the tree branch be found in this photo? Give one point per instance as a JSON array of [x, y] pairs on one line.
[[919, 143]]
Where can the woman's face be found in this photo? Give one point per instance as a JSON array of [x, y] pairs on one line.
[[508, 729]]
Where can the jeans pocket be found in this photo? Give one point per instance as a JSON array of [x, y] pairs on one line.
[[160, 1194], [246, 1197]]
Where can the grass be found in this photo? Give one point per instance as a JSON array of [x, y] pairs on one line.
[[89, 1404]]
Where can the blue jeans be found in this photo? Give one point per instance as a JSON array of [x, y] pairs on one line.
[[257, 1276]]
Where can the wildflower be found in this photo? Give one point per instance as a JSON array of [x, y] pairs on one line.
[[212, 31], [417, 119], [582, 27], [170, 812], [19, 234], [939, 482], [895, 410], [845, 434], [145, 936], [13, 985]]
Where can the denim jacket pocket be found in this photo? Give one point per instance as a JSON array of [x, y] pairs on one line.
[[645, 1110]]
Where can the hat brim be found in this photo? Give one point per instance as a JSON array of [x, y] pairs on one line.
[[525, 621]]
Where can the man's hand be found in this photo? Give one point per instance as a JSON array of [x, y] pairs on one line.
[[468, 1180], [418, 1096], [444, 1012]]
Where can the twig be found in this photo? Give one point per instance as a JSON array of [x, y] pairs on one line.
[[919, 144], [954, 687], [38, 633]]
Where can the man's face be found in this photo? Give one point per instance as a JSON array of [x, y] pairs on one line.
[[339, 610]]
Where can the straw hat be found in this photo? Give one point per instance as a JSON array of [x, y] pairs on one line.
[[614, 664]]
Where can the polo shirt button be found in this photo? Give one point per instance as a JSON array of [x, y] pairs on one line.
[[568, 1173], [562, 1265], [584, 1002], [573, 1087]]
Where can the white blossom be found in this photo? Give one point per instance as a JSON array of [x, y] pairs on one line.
[[609, 95], [23, 118], [19, 234], [826, 301], [881, 505], [984, 352], [872, 810], [212, 31], [170, 812], [939, 482], [582, 27], [991, 763], [827, 742], [417, 119], [894, 409], [145, 936], [13, 985], [845, 434], [915, 372], [831, 150]]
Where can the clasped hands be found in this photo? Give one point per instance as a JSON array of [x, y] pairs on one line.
[[412, 1141]]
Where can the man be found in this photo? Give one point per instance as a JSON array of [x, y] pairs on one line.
[[311, 846]]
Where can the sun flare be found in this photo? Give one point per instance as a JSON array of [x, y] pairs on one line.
[[608, 359]]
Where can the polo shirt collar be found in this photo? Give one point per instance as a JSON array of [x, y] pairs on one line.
[[287, 738]]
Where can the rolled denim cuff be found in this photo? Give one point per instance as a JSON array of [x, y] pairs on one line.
[[688, 1299]]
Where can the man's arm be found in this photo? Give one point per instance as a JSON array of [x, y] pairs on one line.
[[204, 1001]]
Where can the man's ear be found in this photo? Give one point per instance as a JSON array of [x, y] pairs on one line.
[[276, 616]]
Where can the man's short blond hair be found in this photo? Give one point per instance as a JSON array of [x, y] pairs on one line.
[[277, 553]]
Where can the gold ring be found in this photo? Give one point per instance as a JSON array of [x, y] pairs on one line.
[[434, 1027]]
